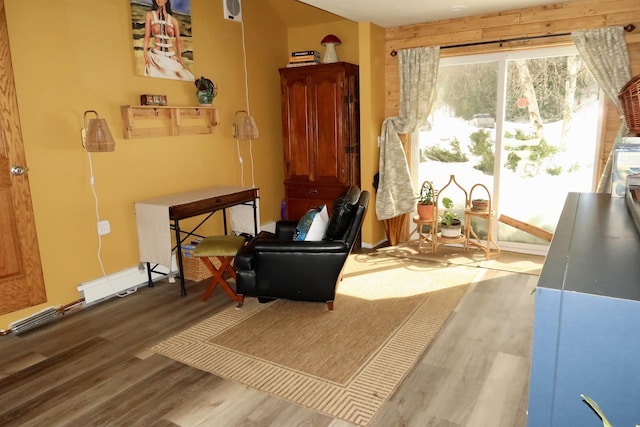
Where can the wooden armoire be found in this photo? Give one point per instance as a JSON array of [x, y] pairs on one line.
[[321, 134]]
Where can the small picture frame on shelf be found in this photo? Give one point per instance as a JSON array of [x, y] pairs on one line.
[[153, 99]]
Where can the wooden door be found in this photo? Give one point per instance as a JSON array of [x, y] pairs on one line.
[[21, 280], [328, 115], [297, 130], [316, 113]]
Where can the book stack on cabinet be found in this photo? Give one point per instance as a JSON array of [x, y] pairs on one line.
[[304, 57]]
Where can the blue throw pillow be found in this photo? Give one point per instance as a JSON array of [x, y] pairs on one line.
[[313, 224]]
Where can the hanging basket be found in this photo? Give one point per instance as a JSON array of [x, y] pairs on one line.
[[629, 97]]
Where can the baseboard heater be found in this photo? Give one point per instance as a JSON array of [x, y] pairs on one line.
[[121, 282], [125, 281], [94, 291], [33, 321]]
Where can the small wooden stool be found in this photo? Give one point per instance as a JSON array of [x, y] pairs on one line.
[[225, 249]]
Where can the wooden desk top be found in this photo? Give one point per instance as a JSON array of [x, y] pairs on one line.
[[203, 200]]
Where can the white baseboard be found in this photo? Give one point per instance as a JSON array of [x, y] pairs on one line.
[[121, 283], [126, 281], [371, 246]]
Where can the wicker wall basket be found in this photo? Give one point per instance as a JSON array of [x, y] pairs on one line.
[[630, 99]]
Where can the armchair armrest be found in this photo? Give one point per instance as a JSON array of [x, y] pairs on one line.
[[244, 257], [285, 230], [321, 246]]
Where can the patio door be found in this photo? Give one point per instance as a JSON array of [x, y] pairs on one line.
[[525, 124]]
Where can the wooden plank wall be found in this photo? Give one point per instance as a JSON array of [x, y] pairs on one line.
[[530, 22]]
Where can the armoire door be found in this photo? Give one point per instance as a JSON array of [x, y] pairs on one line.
[[328, 117], [297, 129]]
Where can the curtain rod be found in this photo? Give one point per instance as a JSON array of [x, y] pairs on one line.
[[628, 28]]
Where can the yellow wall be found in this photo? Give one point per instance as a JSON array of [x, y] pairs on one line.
[[372, 96], [73, 55]]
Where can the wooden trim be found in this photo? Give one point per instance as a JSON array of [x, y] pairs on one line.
[[171, 117]]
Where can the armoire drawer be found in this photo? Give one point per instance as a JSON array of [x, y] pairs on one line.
[[300, 198], [303, 191]]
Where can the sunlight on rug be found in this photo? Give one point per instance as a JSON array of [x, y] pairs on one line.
[[345, 363], [454, 255]]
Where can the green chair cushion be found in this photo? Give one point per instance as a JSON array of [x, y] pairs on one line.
[[219, 246]]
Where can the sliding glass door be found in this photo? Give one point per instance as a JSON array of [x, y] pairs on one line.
[[525, 124]]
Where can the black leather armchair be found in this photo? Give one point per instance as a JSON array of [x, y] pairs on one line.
[[276, 266]]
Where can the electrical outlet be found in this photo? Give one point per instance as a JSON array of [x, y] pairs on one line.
[[104, 228]]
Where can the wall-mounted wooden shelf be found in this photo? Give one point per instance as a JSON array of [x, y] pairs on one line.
[[138, 120]]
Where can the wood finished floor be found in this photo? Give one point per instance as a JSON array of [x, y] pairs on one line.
[[91, 368]]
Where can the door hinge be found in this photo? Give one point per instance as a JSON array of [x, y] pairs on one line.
[[350, 149], [348, 99]]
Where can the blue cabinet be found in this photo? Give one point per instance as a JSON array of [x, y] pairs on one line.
[[586, 337]]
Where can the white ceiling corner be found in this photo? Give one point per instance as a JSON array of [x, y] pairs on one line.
[[388, 14]]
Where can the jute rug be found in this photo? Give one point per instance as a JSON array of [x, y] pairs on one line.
[[455, 255], [345, 363]]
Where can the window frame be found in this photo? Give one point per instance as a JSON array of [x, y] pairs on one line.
[[502, 58]]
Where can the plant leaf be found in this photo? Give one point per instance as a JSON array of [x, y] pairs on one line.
[[595, 407]]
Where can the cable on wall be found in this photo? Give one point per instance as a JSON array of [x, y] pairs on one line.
[[246, 86], [99, 254], [240, 160]]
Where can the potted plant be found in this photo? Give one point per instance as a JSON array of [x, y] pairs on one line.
[[450, 224], [479, 204], [425, 201], [206, 90]]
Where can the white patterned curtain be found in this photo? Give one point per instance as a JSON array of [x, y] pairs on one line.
[[605, 53], [418, 74]]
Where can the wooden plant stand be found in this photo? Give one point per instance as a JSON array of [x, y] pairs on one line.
[[429, 238], [451, 185], [426, 229], [491, 247]]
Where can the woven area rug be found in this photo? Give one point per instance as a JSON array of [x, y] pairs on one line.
[[345, 363], [456, 255]]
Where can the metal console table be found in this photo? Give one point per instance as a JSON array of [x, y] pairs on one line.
[[153, 216]]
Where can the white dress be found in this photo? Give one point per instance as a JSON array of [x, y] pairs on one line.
[[161, 63]]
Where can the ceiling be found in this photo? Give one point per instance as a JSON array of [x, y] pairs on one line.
[[297, 14], [394, 13]]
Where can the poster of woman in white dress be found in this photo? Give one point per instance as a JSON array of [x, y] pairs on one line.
[[162, 42]]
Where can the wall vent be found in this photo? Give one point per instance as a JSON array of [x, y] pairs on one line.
[[232, 10]]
